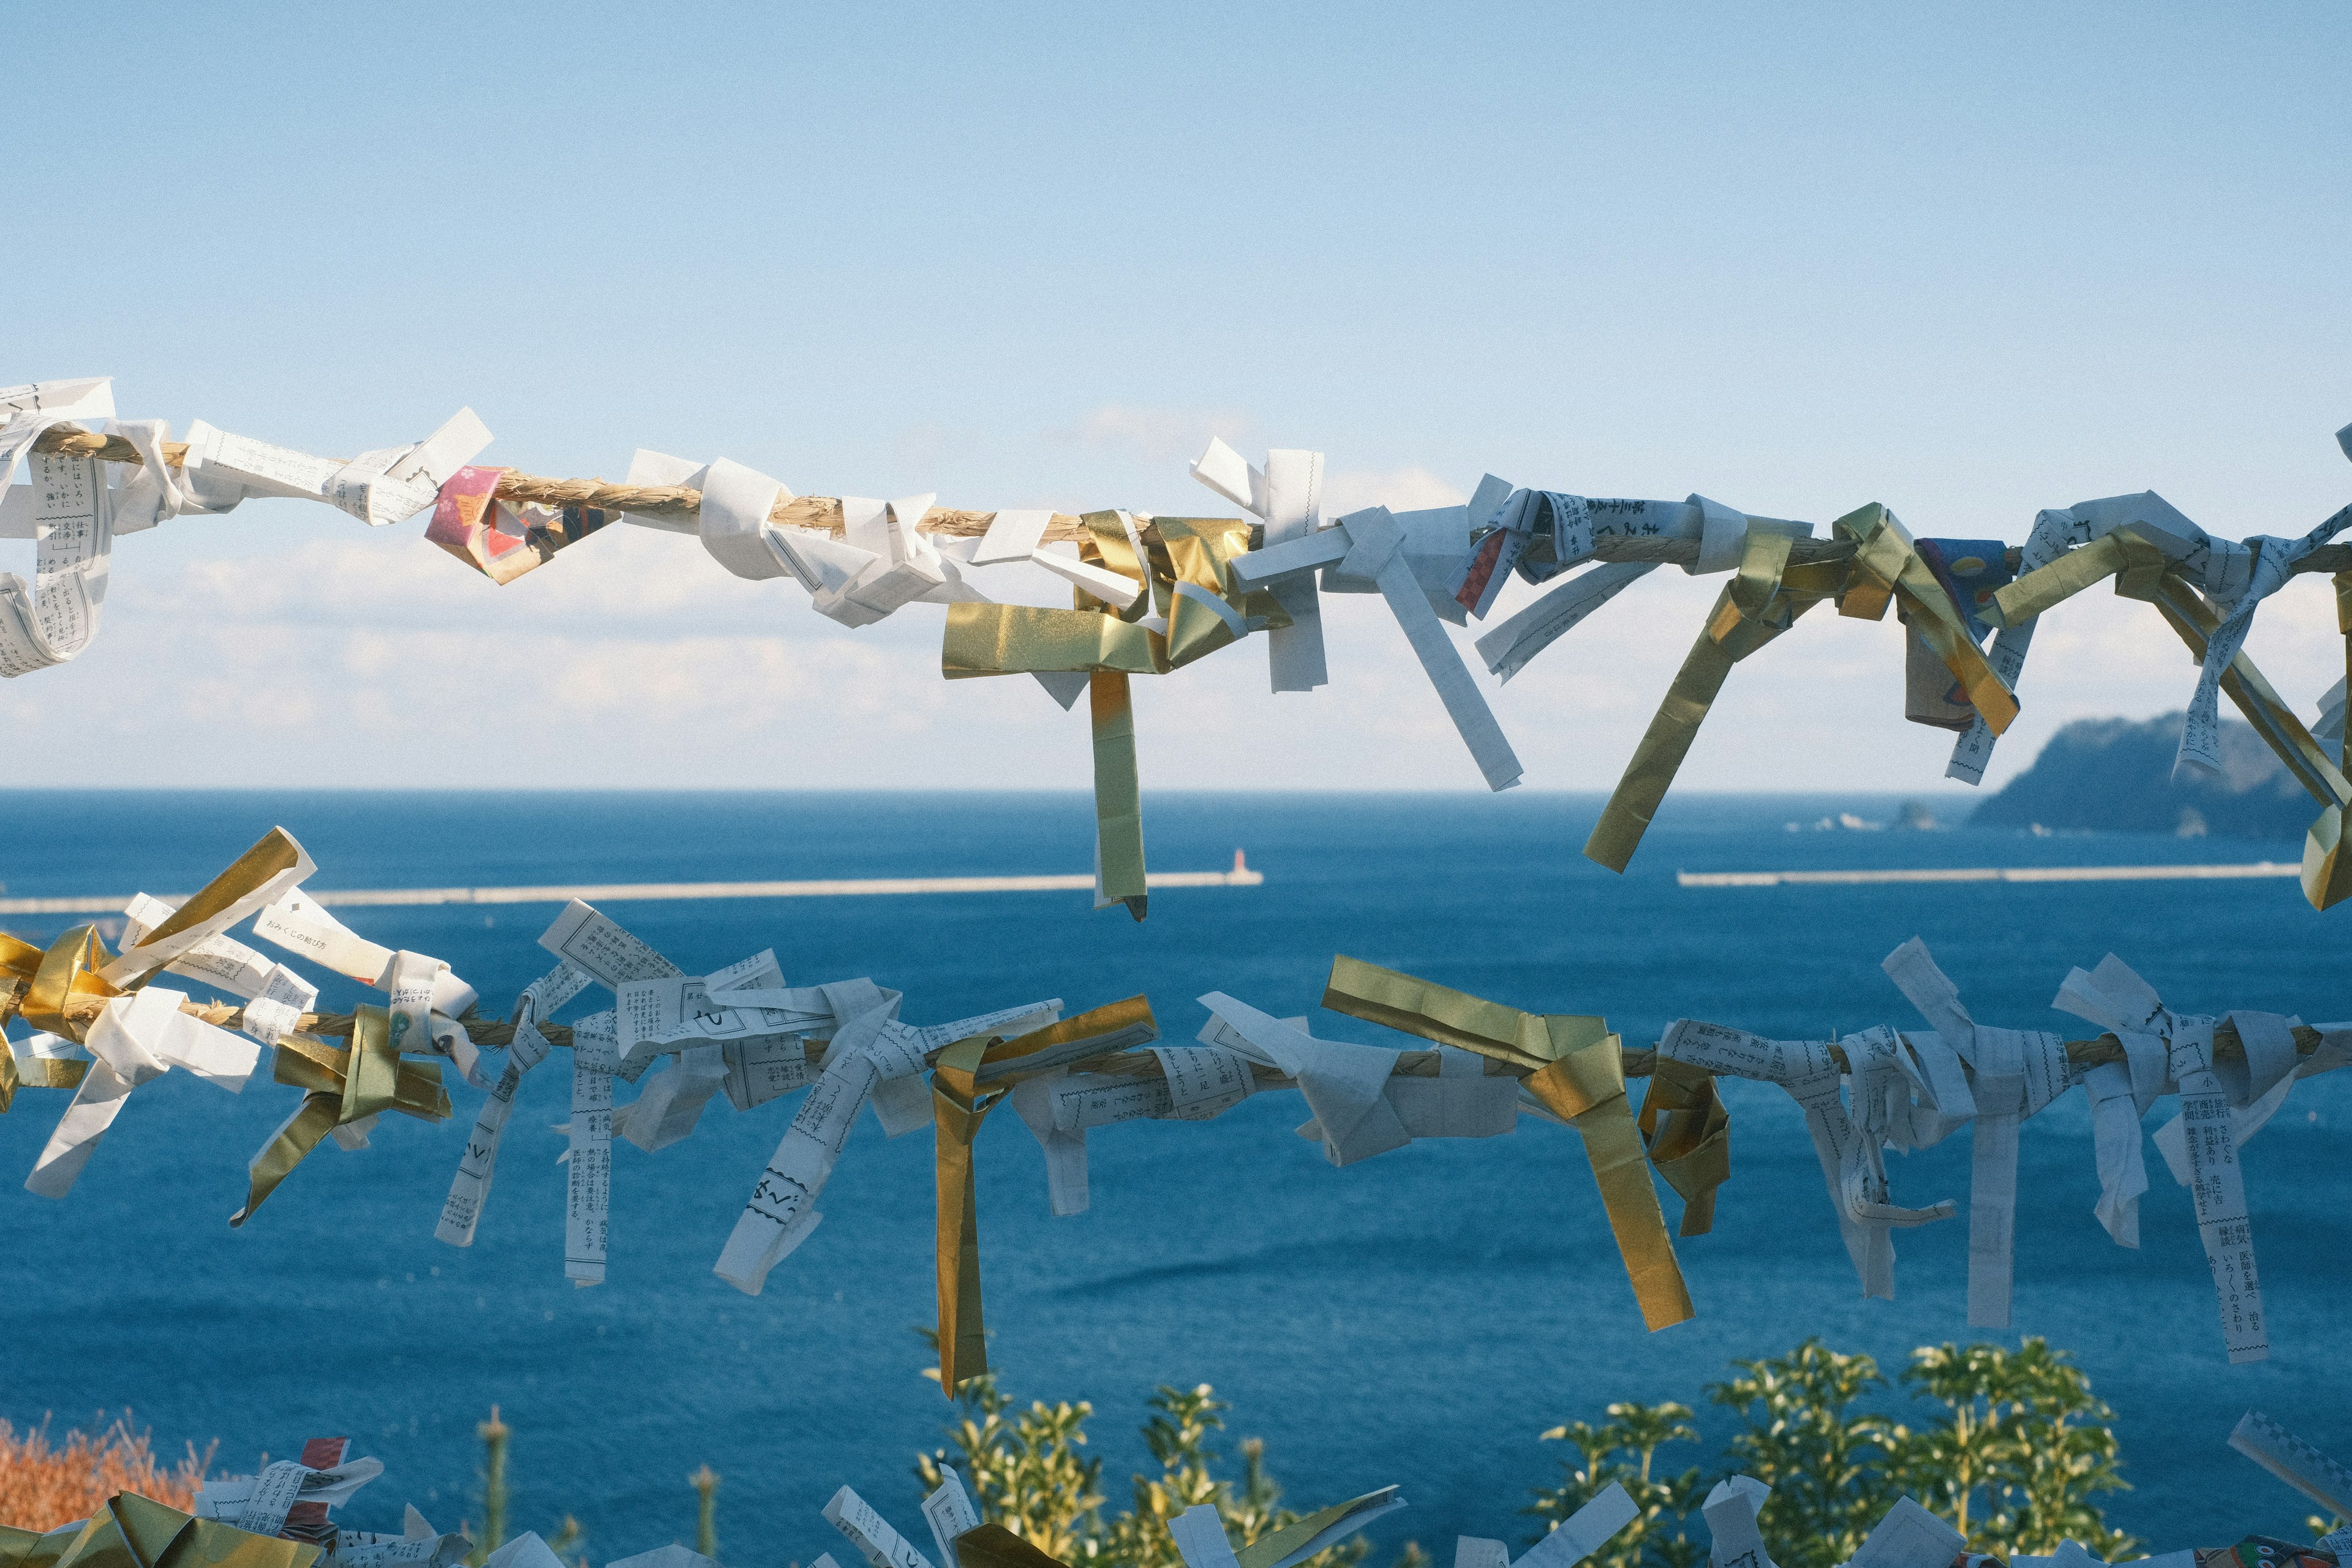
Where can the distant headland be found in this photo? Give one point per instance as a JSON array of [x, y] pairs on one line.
[[2115, 774]]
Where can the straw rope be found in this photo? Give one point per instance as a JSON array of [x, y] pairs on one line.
[[824, 512], [1640, 1061]]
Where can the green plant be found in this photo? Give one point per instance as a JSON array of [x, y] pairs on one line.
[[2019, 1452], [1624, 1449], [2016, 1454], [1024, 1472], [1828, 1467], [495, 1435]]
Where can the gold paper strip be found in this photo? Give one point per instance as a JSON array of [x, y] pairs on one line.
[[343, 1086], [1764, 556], [2326, 879], [1578, 1075], [1009, 639], [1587, 1090], [1664, 745], [2327, 868], [371, 1074], [958, 1109], [1686, 1130], [295, 1137], [1418, 1007], [133, 1531], [1877, 563], [2061, 580], [1119, 798], [958, 1105], [1887, 562], [274, 852], [68, 968]]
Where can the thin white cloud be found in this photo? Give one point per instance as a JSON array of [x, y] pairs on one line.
[[1399, 489], [1152, 435]]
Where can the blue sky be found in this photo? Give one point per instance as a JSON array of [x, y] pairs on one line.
[[1970, 262]]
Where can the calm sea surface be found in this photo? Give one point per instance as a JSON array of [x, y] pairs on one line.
[[1419, 1318]]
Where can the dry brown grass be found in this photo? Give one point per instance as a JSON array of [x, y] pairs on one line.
[[43, 1485]]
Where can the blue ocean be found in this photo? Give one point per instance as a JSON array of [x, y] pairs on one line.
[[1418, 1318]]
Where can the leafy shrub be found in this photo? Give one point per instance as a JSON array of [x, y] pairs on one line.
[[2015, 1452], [1025, 1471]]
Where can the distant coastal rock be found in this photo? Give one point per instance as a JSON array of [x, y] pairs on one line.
[[2115, 774]]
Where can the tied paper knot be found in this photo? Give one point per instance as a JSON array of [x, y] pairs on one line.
[[1764, 600], [2141, 539], [1287, 496], [2055, 533], [972, 1076], [1374, 545], [1194, 1083], [1541, 533], [67, 510], [1139, 608], [461, 1211], [2222, 1104], [2014, 1074], [134, 1038], [1686, 1132], [1855, 1181], [387, 485], [1575, 1071], [347, 1089]]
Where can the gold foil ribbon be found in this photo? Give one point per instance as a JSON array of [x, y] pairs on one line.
[[958, 1106], [1119, 793], [1575, 1070], [41, 982], [275, 852], [70, 968], [1746, 616], [2046, 586], [1887, 564], [960, 1103], [344, 1085], [34, 986], [1763, 599], [1188, 580], [1686, 1132], [133, 1531]]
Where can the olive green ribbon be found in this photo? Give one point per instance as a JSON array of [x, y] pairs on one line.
[[1188, 577], [2327, 868], [133, 1531], [345, 1086], [1686, 1132], [1576, 1070], [960, 1101], [1763, 599]]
